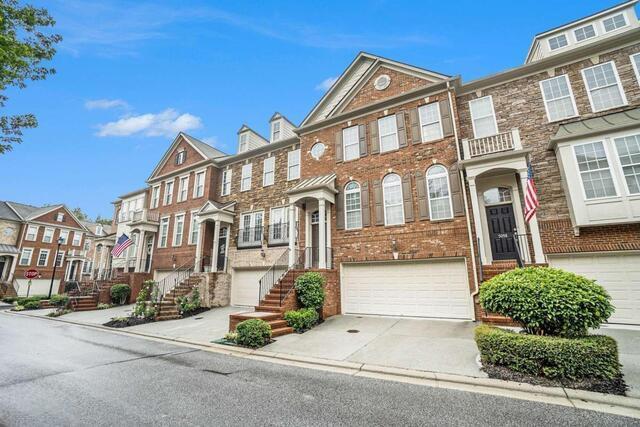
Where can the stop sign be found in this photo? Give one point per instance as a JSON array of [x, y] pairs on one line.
[[31, 274]]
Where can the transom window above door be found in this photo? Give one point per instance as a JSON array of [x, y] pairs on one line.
[[496, 196]]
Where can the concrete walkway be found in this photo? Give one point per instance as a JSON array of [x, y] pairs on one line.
[[421, 344], [629, 353]]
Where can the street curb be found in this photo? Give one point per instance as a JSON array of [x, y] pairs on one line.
[[580, 399]]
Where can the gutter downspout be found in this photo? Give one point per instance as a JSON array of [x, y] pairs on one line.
[[466, 203]]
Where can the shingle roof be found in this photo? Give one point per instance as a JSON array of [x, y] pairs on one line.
[[28, 211], [206, 149], [7, 213], [597, 125], [8, 249], [91, 226]]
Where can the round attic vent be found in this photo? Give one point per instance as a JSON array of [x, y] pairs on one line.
[[382, 82]]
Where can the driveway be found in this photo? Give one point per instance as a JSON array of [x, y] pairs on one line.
[[429, 345], [629, 352]]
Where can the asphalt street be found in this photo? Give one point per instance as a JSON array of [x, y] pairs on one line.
[[52, 373]]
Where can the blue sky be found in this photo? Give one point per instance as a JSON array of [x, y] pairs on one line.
[[131, 74]]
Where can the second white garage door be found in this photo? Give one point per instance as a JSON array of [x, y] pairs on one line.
[[618, 273], [245, 286], [407, 288]]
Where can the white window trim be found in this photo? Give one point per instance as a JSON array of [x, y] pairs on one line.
[[618, 82], [422, 137], [44, 234], [446, 175], [195, 183], [76, 233], [359, 191], [272, 171], [191, 227], [618, 165], [179, 199], [35, 234], [289, 165], [181, 156], [384, 205], [155, 202], [168, 218], [248, 178], [635, 67], [595, 31], [545, 102], [344, 143], [611, 171], [164, 198], [252, 221], [22, 256], [174, 239], [241, 142], [46, 260], [473, 120], [61, 263], [66, 239], [566, 39], [395, 124], [626, 22], [273, 130], [226, 179], [60, 217]]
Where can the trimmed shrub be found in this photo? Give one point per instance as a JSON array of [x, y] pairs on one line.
[[253, 333], [17, 307], [547, 301], [593, 356], [59, 300], [143, 307], [9, 300], [188, 304], [32, 305], [120, 293], [310, 291], [302, 320]]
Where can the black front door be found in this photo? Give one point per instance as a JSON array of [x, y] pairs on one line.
[[502, 224], [222, 249], [149, 249]]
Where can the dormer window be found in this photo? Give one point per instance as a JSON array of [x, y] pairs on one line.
[[614, 22], [60, 217], [181, 157], [243, 142], [557, 42], [584, 33], [275, 131]]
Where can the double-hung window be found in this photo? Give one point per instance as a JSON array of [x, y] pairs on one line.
[[594, 169], [558, 98], [47, 237], [388, 131], [60, 217], [77, 238], [603, 86], [59, 258], [32, 233], [430, 126], [584, 33], [164, 232], [168, 192], [178, 229], [351, 143], [198, 186], [64, 236], [392, 196], [268, 171], [243, 143], [615, 22], [194, 229], [245, 182], [251, 229], [352, 206], [628, 149], [155, 197], [275, 134], [43, 258], [226, 182], [183, 188], [25, 256], [439, 194], [558, 41], [293, 165], [483, 117], [278, 230]]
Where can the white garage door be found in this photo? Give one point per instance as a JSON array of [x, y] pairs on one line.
[[245, 286], [407, 288], [38, 287], [619, 274]]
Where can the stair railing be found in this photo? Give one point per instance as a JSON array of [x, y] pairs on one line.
[[172, 280], [298, 264], [516, 243], [273, 275]]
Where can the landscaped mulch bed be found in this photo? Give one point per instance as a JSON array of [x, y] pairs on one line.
[[130, 321], [615, 386], [195, 312]]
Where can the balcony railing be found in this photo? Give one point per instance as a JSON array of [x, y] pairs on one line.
[[504, 141], [74, 253], [278, 234], [145, 215], [250, 237]]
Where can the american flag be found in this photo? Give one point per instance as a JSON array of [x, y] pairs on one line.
[[123, 243], [530, 196]]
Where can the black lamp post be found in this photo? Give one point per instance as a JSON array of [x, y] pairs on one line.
[[55, 264]]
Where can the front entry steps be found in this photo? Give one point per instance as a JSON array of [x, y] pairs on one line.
[[77, 303], [168, 307], [275, 319]]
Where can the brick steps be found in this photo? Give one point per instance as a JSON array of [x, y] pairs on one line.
[[278, 325], [168, 309]]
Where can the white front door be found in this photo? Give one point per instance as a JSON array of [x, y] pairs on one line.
[[407, 288], [618, 273], [245, 286]]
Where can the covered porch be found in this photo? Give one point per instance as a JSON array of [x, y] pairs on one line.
[[8, 261], [214, 221]]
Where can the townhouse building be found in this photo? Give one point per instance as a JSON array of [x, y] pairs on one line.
[[406, 186]]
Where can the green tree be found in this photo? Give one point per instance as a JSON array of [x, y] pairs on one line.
[[80, 214], [103, 221], [23, 48]]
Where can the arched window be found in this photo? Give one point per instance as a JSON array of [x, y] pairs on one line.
[[439, 193], [352, 205], [496, 196], [392, 195]]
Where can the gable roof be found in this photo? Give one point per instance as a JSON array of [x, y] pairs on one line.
[[278, 115], [6, 212], [356, 74], [24, 212], [204, 149]]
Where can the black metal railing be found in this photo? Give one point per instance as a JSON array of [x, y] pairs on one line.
[[273, 275], [520, 242], [250, 237], [172, 280], [278, 234], [479, 261]]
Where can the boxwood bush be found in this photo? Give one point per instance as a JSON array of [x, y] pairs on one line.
[[309, 288], [253, 333], [120, 293], [302, 320], [547, 301], [593, 356], [32, 305]]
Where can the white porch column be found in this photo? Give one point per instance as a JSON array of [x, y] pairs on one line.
[[14, 263], [140, 251], [103, 262], [81, 269], [328, 228], [214, 254], [198, 265], [307, 236], [67, 270], [538, 253], [322, 234], [292, 234], [475, 206]]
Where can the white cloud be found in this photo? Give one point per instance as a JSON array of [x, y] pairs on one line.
[[105, 104], [326, 84], [166, 123]]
